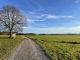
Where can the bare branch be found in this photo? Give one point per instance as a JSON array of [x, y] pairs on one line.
[[11, 18]]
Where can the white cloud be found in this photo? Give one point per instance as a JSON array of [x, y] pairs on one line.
[[54, 30], [44, 17], [35, 16], [57, 17], [33, 20]]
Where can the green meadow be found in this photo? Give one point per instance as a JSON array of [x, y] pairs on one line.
[[7, 44], [59, 47]]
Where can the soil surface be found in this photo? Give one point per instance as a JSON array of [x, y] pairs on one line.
[[28, 50]]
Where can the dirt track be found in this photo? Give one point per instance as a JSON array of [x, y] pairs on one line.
[[28, 50]]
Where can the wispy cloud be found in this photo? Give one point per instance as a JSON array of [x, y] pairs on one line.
[[32, 17], [57, 17], [36, 16], [53, 30], [34, 20]]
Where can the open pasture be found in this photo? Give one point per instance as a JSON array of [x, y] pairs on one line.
[[59, 47]]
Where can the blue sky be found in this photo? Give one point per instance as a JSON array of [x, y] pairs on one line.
[[48, 16]]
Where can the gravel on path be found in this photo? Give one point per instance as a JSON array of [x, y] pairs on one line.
[[28, 50]]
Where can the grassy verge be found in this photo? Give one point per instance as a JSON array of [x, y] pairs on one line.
[[59, 47], [7, 44]]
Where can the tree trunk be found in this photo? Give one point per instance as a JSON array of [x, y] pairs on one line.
[[10, 34]]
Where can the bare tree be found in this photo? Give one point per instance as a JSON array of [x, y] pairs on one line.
[[11, 19]]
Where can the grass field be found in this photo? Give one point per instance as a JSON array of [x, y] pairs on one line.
[[6, 45], [59, 47]]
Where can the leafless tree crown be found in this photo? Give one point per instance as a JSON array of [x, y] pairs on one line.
[[11, 19]]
